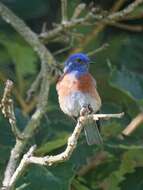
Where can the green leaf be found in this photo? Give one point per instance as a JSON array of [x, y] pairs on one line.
[[39, 177], [130, 160], [130, 55], [21, 54], [58, 142], [133, 180], [129, 82]]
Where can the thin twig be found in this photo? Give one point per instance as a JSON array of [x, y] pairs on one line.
[[111, 18], [132, 28], [120, 14], [65, 48], [44, 26], [8, 109], [133, 125], [34, 87], [78, 10], [117, 5], [64, 11], [46, 36], [24, 162], [133, 17], [102, 22], [6, 97], [101, 48], [103, 116], [26, 108]]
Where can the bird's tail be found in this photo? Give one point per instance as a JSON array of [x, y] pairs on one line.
[[92, 132]]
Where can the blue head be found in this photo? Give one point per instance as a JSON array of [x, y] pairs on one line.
[[78, 62]]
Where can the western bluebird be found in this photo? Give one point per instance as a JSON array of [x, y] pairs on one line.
[[76, 89]]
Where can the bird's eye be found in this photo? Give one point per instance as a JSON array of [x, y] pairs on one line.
[[79, 60]]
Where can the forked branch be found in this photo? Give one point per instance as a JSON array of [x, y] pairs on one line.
[[28, 158]]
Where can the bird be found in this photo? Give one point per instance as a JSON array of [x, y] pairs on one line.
[[76, 89]]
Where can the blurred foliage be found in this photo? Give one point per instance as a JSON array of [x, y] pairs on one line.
[[118, 71]]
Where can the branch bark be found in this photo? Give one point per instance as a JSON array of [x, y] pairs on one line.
[[133, 125], [99, 18], [47, 66], [120, 14], [28, 158], [101, 48], [8, 108], [132, 28], [78, 10], [64, 11]]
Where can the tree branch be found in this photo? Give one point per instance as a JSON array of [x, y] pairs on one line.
[[71, 145], [46, 36], [24, 162], [64, 11], [78, 10], [28, 132], [101, 48], [120, 14], [133, 125], [8, 109], [132, 28], [90, 17], [47, 67], [34, 87], [97, 29]]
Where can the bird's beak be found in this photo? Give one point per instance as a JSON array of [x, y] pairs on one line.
[[65, 69]]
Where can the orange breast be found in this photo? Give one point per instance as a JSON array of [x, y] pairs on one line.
[[69, 83]]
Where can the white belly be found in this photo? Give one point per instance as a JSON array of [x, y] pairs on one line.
[[71, 105]]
